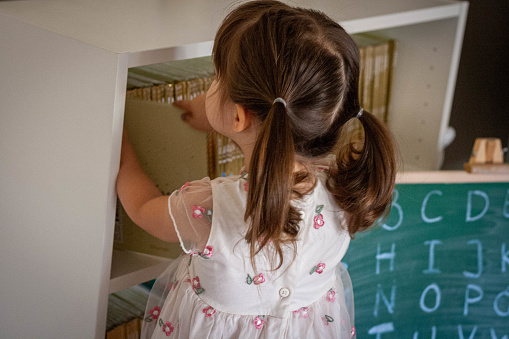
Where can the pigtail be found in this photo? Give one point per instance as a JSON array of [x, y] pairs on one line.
[[363, 179], [271, 184]]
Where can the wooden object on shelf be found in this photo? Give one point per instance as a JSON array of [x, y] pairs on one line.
[[487, 157]]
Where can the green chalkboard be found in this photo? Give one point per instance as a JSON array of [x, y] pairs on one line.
[[438, 267]]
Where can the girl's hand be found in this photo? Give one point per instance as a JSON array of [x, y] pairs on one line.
[[194, 113]]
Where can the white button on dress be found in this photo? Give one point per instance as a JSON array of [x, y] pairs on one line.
[[284, 292]]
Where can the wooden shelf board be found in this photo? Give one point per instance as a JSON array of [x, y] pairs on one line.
[[132, 268], [448, 177]]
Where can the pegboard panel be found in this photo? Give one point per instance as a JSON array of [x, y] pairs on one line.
[[419, 86]]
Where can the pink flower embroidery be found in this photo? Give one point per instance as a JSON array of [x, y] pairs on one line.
[[184, 186], [259, 322], [318, 268], [319, 217], [352, 332], [196, 286], [167, 328], [198, 211], [209, 311], [304, 312], [246, 186], [154, 313], [207, 251], [318, 221], [259, 279], [331, 295]]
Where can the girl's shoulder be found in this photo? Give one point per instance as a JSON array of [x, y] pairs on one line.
[[204, 192]]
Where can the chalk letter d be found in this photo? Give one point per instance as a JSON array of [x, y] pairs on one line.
[[469, 205]]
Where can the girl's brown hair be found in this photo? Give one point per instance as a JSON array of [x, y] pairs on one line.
[[265, 50]]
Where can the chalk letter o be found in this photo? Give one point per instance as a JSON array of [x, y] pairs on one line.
[[438, 296]]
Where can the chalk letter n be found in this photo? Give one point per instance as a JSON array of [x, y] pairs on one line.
[[389, 304]]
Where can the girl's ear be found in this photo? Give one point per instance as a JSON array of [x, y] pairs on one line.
[[243, 119]]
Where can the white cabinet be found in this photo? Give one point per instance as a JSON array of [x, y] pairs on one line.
[[63, 70]]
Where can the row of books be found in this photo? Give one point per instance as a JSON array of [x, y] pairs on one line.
[[184, 80], [126, 309], [377, 58], [172, 81]]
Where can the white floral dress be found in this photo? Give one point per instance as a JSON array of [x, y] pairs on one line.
[[211, 290]]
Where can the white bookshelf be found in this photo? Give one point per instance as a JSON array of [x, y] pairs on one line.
[[63, 69]]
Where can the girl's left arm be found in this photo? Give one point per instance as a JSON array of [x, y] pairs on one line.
[[141, 199]]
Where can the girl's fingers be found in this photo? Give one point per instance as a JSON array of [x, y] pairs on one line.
[[186, 116], [183, 105], [198, 124]]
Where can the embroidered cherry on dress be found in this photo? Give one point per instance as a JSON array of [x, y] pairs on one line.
[[331, 295], [153, 313], [259, 322], [207, 252], [318, 219], [303, 312], [209, 311], [167, 328], [352, 332], [196, 286], [318, 268], [198, 211], [259, 279]]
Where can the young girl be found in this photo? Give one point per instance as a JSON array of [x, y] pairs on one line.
[[263, 249]]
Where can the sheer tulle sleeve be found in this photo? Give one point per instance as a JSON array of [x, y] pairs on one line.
[[190, 209]]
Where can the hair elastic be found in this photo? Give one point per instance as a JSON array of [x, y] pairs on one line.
[[358, 116], [281, 100]]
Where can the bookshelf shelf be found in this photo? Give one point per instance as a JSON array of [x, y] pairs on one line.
[[133, 268], [66, 63]]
